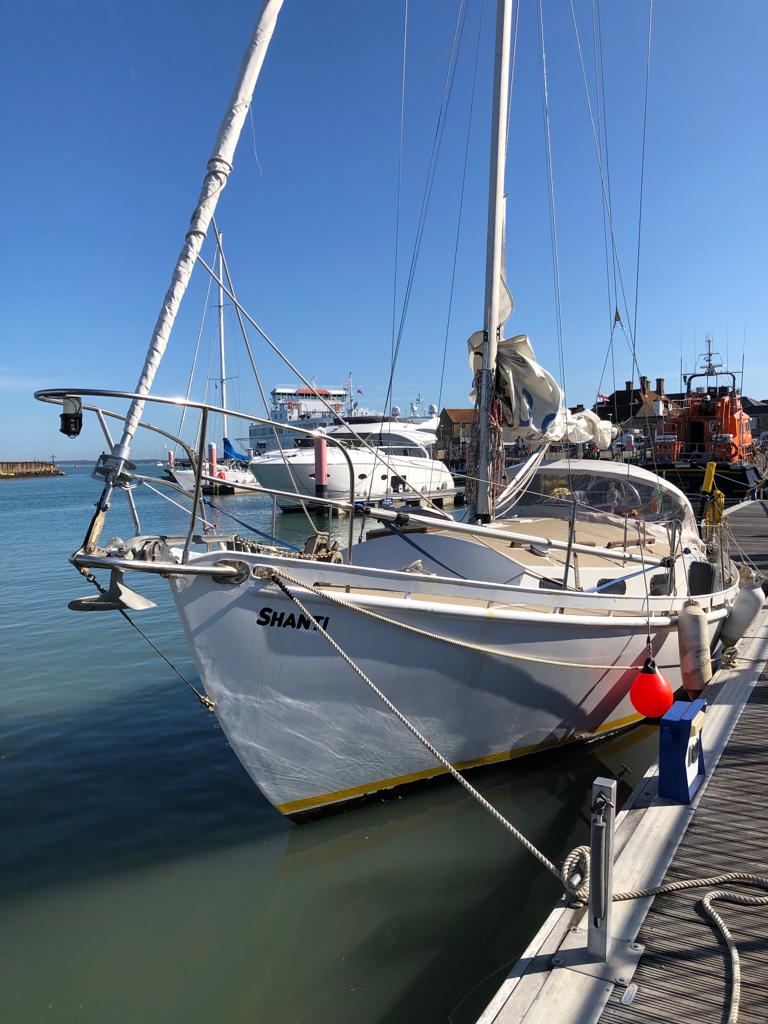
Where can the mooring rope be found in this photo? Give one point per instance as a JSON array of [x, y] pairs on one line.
[[574, 873], [567, 881]]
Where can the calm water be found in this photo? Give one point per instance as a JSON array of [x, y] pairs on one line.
[[146, 879]]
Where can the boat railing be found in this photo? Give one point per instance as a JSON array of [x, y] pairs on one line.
[[57, 396]]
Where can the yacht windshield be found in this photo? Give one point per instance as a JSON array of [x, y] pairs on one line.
[[552, 493], [392, 443]]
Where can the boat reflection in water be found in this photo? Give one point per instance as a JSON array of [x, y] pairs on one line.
[[412, 908]]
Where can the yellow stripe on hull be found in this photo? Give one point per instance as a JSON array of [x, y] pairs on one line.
[[340, 795]]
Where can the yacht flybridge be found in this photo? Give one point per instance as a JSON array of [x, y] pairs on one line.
[[517, 630]]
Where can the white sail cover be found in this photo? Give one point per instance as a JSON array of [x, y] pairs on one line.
[[532, 401]]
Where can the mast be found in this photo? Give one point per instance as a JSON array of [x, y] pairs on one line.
[[222, 363], [493, 269], [219, 167]]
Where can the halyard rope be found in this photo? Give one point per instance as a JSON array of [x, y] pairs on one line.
[[574, 873]]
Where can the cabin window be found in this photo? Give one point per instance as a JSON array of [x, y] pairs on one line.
[[611, 586], [660, 584], [362, 476], [547, 584]]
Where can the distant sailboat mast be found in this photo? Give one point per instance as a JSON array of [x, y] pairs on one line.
[[222, 362], [483, 509]]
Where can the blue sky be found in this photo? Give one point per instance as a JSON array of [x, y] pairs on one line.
[[109, 111]]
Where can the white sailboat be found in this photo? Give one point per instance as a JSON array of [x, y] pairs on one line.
[[517, 631]]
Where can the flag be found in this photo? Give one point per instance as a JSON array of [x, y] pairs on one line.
[[603, 398]]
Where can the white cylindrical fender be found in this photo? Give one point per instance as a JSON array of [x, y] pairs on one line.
[[745, 610], [693, 643]]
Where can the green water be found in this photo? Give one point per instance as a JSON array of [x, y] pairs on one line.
[[146, 880]]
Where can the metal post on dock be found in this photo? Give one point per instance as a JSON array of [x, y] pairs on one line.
[[597, 952], [603, 816], [321, 466]]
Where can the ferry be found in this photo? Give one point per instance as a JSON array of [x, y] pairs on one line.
[[301, 407]]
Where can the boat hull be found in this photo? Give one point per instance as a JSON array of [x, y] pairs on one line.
[[372, 479], [230, 481], [311, 733]]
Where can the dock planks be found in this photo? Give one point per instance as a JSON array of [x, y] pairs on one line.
[[750, 529], [684, 972]]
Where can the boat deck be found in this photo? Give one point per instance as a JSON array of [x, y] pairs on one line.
[[684, 972]]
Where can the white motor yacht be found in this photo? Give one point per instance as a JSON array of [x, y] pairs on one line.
[[383, 457]]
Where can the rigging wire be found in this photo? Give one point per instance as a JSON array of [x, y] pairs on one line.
[[431, 169], [307, 383], [642, 167], [249, 526], [194, 360], [252, 361], [603, 185], [553, 216], [399, 178], [253, 140], [512, 66], [461, 202], [602, 134], [551, 197], [629, 337], [645, 403]]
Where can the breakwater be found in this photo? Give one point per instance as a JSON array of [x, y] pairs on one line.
[[13, 470]]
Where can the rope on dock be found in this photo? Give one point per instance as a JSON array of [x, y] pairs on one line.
[[670, 888]]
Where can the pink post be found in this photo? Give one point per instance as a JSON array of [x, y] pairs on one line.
[[171, 460], [321, 466], [212, 459]]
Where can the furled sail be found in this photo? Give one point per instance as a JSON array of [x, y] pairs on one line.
[[532, 402]]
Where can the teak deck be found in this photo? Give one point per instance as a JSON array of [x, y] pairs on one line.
[[684, 972]]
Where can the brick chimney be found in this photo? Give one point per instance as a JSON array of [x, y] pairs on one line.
[[628, 386], [659, 385], [643, 385]]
